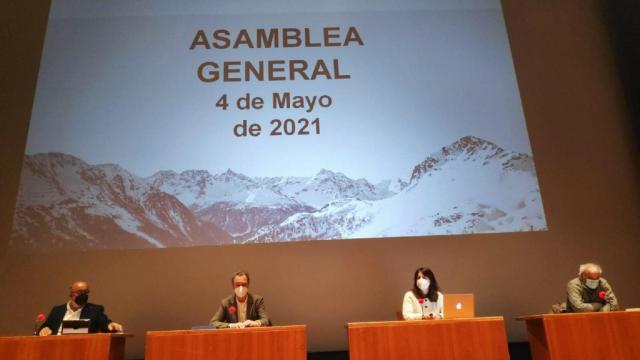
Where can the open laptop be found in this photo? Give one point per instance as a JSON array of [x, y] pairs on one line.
[[458, 306], [75, 326]]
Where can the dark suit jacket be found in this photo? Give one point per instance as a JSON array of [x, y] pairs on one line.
[[99, 320], [255, 311]]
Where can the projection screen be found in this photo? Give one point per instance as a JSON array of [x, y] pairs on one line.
[[171, 123]]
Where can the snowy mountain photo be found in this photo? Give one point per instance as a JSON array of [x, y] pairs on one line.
[[469, 186]]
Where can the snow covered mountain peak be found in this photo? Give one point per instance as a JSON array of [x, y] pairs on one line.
[[231, 175], [54, 158], [324, 173], [474, 149], [65, 202], [196, 174], [471, 145]]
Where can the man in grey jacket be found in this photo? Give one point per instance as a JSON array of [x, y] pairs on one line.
[[590, 292], [241, 309]]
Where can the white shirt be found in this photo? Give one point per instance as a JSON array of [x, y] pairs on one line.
[[413, 310], [70, 315], [242, 309]]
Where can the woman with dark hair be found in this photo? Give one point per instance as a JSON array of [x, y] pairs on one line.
[[425, 300]]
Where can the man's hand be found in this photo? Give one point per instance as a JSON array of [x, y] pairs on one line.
[[596, 306], [252, 323], [45, 331], [114, 326]]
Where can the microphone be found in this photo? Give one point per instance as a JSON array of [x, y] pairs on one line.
[[40, 318]]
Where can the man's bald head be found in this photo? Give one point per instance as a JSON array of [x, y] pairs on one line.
[[77, 291], [79, 286]]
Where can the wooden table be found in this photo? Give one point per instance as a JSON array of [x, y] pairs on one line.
[[580, 336], [265, 343], [464, 339], [67, 347]]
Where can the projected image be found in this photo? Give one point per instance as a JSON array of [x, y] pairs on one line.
[[168, 125]]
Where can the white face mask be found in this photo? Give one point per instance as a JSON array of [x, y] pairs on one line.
[[423, 284], [241, 291], [592, 284]]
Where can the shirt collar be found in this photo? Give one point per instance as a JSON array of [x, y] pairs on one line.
[[69, 309]]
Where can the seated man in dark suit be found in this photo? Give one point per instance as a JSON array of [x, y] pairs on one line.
[[241, 309], [78, 307]]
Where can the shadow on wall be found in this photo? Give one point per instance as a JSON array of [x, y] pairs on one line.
[[623, 21]]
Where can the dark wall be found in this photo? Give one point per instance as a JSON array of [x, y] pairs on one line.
[[623, 21], [585, 154]]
